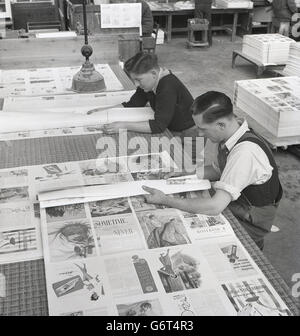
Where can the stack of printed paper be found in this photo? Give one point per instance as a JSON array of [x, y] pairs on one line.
[[267, 48], [234, 3], [49, 81], [293, 65], [160, 37], [274, 103], [184, 5]]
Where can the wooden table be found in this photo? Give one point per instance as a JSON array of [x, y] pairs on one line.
[[215, 11], [260, 67], [26, 283], [51, 52]]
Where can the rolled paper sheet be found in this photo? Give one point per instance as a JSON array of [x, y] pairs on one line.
[[111, 191], [19, 121]]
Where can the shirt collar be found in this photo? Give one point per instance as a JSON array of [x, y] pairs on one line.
[[230, 143], [162, 73]]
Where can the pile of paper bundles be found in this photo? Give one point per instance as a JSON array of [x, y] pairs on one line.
[[293, 65], [267, 48], [234, 3], [274, 103]]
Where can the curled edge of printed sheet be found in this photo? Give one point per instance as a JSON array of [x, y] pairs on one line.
[[112, 191], [18, 121]]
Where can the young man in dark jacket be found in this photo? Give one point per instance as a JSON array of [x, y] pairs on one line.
[[283, 11], [166, 94]]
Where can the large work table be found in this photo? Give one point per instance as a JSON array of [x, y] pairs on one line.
[[25, 290], [26, 284], [170, 10]]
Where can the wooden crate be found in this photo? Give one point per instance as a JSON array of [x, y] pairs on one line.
[[22, 13]]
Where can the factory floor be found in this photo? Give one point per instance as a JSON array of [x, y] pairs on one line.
[[210, 69]]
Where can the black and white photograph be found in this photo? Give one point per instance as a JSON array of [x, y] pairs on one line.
[[17, 214], [140, 308], [182, 269], [163, 228], [65, 212], [15, 177], [16, 194], [139, 203], [104, 172], [149, 159], [110, 207], [69, 240], [22, 240]]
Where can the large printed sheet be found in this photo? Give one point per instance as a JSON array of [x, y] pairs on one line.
[[49, 81], [32, 124], [129, 258], [124, 256], [80, 103], [20, 236]]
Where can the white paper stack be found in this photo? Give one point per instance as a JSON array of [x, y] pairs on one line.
[[160, 37], [293, 65], [274, 103], [184, 5], [234, 3], [56, 34], [267, 48]]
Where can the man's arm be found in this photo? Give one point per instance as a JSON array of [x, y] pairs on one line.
[[163, 114], [209, 173], [203, 173], [138, 99], [207, 206], [139, 127], [165, 105]]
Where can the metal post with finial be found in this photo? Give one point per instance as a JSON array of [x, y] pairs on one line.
[[87, 79]]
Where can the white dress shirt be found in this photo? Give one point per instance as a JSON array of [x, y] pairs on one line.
[[247, 164]]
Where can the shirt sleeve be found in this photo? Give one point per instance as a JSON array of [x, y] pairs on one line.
[[247, 164], [165, 106], [139, 99]]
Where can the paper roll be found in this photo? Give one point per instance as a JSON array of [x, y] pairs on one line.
[[26, 121]]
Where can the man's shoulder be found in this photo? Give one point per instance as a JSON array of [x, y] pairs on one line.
[[169, 81], [247, 150]]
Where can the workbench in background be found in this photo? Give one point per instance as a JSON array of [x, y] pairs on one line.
[[240, 18]]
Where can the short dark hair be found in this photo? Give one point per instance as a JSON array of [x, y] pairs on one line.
[[213, 105], [141, 63]]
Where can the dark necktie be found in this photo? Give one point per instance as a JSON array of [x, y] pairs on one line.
[[222, 155]]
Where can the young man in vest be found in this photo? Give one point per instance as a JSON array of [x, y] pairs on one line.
[[245, 170]]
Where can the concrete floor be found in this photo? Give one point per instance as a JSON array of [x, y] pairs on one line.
[[210, 69]]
